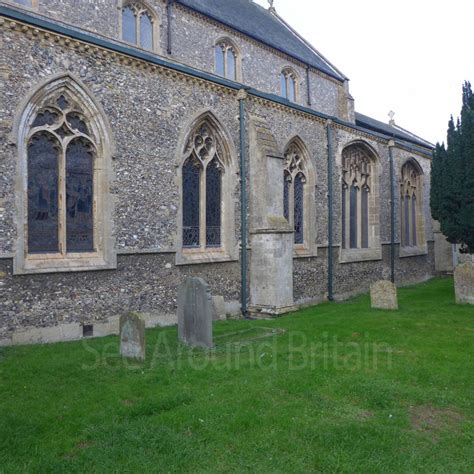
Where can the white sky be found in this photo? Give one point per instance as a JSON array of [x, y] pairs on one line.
[[409, 56]]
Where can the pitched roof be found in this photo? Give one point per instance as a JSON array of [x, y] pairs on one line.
[[255, 21], [394, 131]]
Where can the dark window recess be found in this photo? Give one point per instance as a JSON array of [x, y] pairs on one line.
[[353, 217], [43, 228], [87, 330], [407, 220], [191, 193], [344, 216], [286, 195], [299, 209], [213, 204], [365, 218], [413, 220], [79, 196]]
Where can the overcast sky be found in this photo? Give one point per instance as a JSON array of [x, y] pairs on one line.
[[409, 56]]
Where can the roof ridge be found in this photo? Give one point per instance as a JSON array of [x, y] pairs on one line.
[[307, 43]]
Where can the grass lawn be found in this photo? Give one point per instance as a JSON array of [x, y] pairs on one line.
[[336, 387]]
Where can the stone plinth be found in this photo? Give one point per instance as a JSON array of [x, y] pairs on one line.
[[132, 336], [195, 313], [464, 283], [383, 295]]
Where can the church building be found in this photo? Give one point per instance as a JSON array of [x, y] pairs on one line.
[[144, 141]]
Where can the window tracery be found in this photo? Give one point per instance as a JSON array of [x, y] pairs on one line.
[[226, 60], [138, 25], [288, 85], [410, 186]]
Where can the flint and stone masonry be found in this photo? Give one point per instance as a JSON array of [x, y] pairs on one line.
[[144, 113]]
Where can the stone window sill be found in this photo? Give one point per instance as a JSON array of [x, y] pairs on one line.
[[300, 251], [413, 251], [199, 256], [55, 264], [360, 255]]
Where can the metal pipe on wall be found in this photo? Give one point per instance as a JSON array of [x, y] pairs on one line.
[[243, 201], [169, 12], [391, 144], [329, 130]]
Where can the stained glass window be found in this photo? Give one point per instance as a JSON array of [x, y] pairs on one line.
[[413, 220], [129, 25], [191, 204], [410, 191], [79, 196], [353, 217], [146, 31], [299, 209], [407, 220], [213, 204], [364, 218], [356, 195], [43, 186], [286, 194]]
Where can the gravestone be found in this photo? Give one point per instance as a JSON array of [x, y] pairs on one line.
[[383, 295], [132, 336], [464, 283], [218, 308], [195, 313]]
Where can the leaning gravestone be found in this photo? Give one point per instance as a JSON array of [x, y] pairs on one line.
[[383, 295], [195, 312], [132, 336], [464, 283]]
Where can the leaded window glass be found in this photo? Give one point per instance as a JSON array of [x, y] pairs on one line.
[[79, 196], [286, 194], [137, 25], [61, 156], [353, 217], [410, 187], [356, 195], [299, 211], [213, 204], [191, 208], [27, 3], [288, 85], [146, 31], [43, 192], [226, 60], [202, 175], [294, 185], [129, 25]]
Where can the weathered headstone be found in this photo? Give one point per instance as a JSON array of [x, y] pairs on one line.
[[383, 295], [132, 336], [464, 283], [195, 313], [218, 308]]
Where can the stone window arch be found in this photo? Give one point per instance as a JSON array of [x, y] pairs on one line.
[[289, 84], [299, 195], [411, 205], [360, 207], [207, 181], [64, 153], [227, 59], [139, 25]]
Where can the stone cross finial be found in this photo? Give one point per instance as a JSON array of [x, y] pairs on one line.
[[272, 7], [391, 114]]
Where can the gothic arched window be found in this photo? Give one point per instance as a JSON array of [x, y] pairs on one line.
[[61, 156], [202, 174], [138, 25], [226, 60], [297, 193], [411, 214], [288, 85], [63, 148], [357, 190]]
